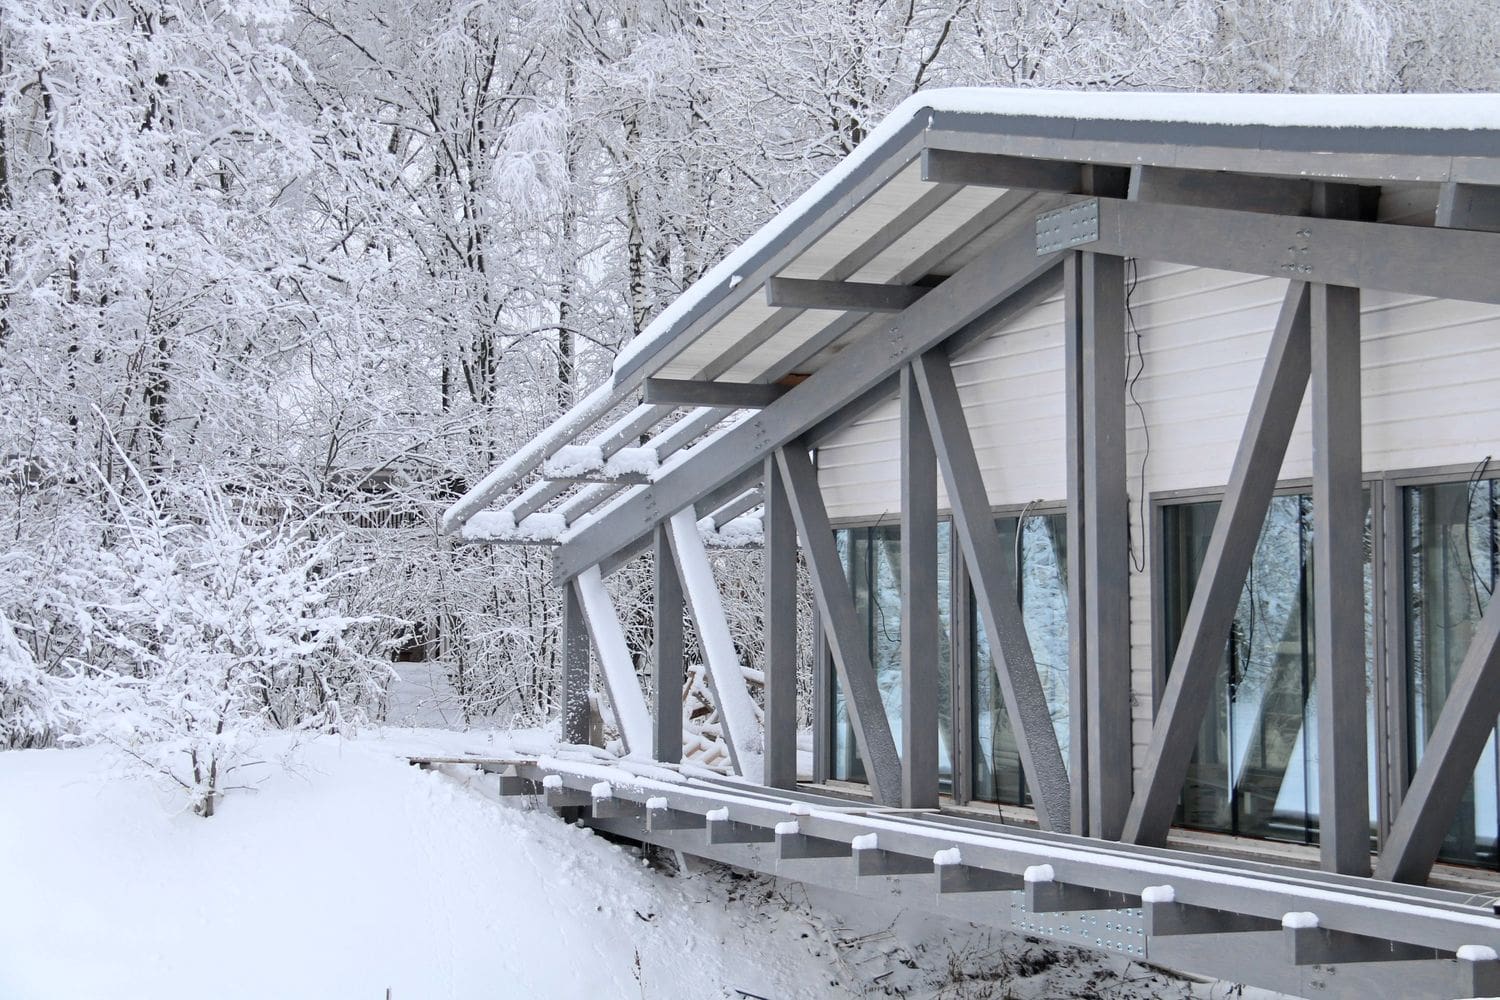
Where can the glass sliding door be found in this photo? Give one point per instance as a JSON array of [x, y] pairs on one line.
[[1255, 769], [872, 562], [1037, 560], [1451, 567]]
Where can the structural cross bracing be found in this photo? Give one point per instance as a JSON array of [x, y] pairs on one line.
[[968, 237]]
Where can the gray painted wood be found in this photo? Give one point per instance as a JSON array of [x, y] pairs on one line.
[[1231, 546], [1469, 206], [846, 637], [1443, 263], [951, 166], [1106, 543], [850, 296], [573, 650], [780, 530], [669, 669], [1448, 759], [919, 604], [1073, 408], [1338, 581], [994, 591], [701, 392], [968, 296], [1218, 189]]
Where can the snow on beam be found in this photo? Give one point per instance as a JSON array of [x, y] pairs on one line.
[[560, 796], [956, 877], [661, 816], [726, 676], [1478, 971], [723, 830], [587, 410], [1045, 894], [604, 804], [871, 859], [700, 392], [614, 659], [1307, 943], [843, 296]]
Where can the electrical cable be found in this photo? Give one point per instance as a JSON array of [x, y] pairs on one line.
[[1133, 334], [1474, 581]]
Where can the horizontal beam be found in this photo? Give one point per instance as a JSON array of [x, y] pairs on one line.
[[1052, 896], [728, 831], [660, 817], [1320, 946], [801, 847], [844, 296], [976, 293], [1168, 918], [599, 478], [1023, 173], [1217, 189], [1443, 263], [955, 878], [870, 861], [1469, 206], [700, 392]]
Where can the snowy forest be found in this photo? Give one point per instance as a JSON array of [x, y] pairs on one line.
[[280, 278]]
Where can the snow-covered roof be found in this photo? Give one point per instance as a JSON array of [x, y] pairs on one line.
[[874, 218]]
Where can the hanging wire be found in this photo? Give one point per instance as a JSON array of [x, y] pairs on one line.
[[1474, 579], [1134, 336]]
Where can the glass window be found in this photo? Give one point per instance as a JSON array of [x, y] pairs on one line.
[[1255, 769], [1038, 562], [872, 561], [1451, 565]]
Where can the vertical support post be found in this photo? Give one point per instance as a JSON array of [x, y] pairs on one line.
[[573, 646], [919, 604], [1106, 544], [1078, 713], [669, 673], [781, 632], [1338, 581]]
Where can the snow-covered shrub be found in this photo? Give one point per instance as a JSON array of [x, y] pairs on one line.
[[28, 708], [204, 628]]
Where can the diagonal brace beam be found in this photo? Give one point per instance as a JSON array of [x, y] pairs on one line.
[[846, 637], [1252, 480], [994, 591], [1463, 727]]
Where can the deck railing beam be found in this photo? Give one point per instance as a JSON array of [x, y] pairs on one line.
[[780, 532], [919, 604], [669, 667]]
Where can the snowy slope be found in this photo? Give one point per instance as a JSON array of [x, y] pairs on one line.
[[353, 874]]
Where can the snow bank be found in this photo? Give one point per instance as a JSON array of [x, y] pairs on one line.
[[1039, 873], [1299, 920], [864, 842], [500, 526], [950, 856], [720, 815], [1476, 953], [788, 828], [351, 874], [737, 533]]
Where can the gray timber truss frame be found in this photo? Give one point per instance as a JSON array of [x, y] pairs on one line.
[[1066, 223]]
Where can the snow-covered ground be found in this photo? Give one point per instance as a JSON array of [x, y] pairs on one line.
[[345, 872]]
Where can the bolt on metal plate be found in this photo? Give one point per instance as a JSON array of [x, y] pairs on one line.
[[1067, 227]]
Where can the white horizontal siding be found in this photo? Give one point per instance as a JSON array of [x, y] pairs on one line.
[[1431, 397]]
